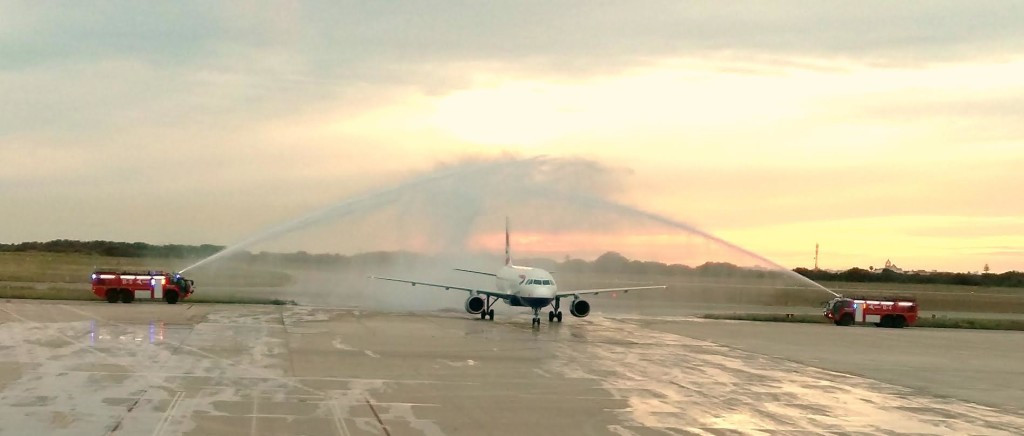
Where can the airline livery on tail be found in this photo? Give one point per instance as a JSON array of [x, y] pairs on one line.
[[522, 287]]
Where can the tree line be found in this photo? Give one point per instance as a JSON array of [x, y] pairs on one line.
[[1007, 279], [610, 262], [114, 249]]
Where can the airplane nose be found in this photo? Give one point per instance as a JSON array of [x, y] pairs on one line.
[[548, 291]]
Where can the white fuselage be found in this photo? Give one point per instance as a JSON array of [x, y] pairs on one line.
[[532, 287]]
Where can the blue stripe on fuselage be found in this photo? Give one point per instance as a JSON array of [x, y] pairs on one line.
[[533, 302]]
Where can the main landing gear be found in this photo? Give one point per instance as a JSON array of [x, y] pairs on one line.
[[555, 314], [488, 312]]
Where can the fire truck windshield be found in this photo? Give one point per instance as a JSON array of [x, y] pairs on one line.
[[838, 305]]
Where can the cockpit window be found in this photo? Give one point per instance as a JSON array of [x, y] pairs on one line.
[[539, 282]]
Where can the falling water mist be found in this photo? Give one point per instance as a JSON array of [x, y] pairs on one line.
[[446, 213]]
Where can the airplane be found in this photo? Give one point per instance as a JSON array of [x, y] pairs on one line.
[[521, 286]]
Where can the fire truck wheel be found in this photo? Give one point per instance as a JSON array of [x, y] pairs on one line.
[[112, 296], [127, 297], [171, 297], [899, 322], [846, 320]]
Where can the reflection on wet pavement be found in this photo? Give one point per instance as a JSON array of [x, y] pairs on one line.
[[675, 382], [79, 368]]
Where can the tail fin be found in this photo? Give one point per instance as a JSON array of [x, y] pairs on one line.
[[508, 248]]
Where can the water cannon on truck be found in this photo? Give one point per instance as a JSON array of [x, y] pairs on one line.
[[125, 286]]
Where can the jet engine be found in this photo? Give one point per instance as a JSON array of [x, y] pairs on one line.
[[579, 308], [474, 304]]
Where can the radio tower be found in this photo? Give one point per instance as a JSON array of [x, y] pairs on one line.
[[815, 256]]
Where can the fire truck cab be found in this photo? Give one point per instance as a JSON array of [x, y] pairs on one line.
[[890, 312], [126, 286]]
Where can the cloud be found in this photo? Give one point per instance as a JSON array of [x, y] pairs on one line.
[[337, 36], [71, 68], [1007, 253], [577, 36], [768, 113], [67, 34]]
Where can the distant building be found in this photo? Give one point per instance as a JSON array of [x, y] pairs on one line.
[[889, 266]]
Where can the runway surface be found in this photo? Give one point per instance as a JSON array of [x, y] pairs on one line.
[[83, 368]]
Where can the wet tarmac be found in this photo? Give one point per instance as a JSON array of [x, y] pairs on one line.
[[91, 368]]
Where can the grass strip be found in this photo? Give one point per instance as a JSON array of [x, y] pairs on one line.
[[769, 317], [943, 322]]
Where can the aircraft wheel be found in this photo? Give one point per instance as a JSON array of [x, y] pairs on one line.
[[483, 314], [112, 296], [551, 316], [490, 314], [558, 316]]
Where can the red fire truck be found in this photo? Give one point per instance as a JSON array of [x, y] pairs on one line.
[[887, 312], [125, 286]]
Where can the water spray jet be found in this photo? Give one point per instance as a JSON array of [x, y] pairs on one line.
[[349, 206], [455, 198]]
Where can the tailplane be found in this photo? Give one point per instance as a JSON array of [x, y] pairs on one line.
[[508, 248]]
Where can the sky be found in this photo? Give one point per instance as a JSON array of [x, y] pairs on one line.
[[879, 130]]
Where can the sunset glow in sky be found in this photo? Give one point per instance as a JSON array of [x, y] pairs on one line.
[[878, 130]]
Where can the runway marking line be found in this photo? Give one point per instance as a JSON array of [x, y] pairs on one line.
[[339, 421], [255, 402], [168, 415]]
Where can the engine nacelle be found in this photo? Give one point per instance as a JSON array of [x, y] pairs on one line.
[[474, 304], [579, 308]]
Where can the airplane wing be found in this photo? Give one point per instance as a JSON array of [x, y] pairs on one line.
[[598, 291], [446, 287], [476, 272]]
